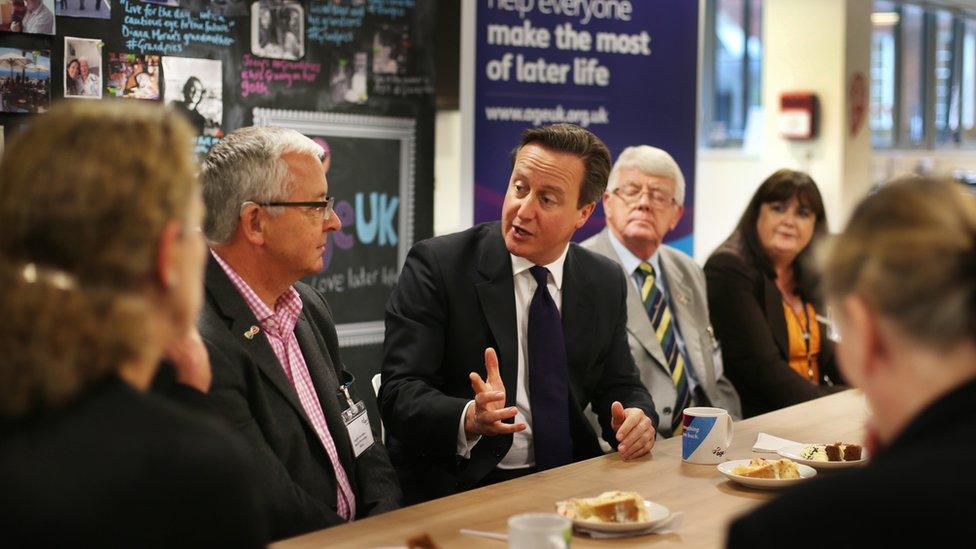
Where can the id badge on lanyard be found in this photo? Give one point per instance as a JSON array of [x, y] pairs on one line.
[[357, 423]]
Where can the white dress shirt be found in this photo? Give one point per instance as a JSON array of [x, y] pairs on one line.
[[521, 454]]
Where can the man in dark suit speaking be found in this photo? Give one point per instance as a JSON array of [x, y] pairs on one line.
[[272, 342], [498, 337]]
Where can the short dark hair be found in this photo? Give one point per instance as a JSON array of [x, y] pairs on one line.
[[781, 186], [570, 138], [189, 84]]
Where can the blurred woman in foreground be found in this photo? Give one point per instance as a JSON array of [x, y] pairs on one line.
[[101, 266], [902, 281]]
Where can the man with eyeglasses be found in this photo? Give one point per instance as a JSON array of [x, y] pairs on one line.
[[668, 326], [277, 375]]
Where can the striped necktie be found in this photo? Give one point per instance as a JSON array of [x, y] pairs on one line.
[[660, 314]]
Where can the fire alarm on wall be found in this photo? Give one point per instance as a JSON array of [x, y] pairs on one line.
[[798, 112]]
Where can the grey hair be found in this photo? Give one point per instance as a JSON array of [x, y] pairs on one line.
[[651, 161], [247, 166]]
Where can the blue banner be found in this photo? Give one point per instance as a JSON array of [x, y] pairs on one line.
[[625, 70]]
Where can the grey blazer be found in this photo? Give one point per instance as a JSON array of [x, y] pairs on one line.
[[689, 305]]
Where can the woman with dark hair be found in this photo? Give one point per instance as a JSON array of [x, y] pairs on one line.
[[763, 302], [71, 76], [101, 270]]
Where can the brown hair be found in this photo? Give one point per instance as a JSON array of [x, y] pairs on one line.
[[781, 186], [910, 252], [570, 138], [83, 208]]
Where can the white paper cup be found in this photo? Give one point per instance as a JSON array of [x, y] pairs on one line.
[[539, 531]]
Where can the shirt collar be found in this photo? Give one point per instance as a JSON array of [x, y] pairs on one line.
[[520, 265], [289, 303], [629, 261]]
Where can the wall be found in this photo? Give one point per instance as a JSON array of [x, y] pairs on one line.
[[726, 179]]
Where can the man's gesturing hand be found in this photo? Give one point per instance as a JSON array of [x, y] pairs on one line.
[[485, 417]]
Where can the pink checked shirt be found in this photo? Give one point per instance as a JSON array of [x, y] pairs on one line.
[[279, 327]]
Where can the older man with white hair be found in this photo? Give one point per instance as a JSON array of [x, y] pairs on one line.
[[668, 326]]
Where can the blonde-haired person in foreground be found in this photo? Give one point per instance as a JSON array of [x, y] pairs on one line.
[[101, 265], [901, 281]]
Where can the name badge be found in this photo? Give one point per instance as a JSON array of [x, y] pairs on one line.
[[357, 423]]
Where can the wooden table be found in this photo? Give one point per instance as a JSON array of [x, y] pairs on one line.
[[709, 500]]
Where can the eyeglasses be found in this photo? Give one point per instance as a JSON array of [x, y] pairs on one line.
[[323, 209], [631, 194]]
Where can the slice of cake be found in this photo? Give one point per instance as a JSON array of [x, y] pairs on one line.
[[613, 506], [761, 468], [852, 452], [757, 468], [840, 451], [834, 451], [786, 469]]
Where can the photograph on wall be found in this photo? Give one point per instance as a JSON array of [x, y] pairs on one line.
[[92, 9], [82, 68], [194, 88], [349, 78], [133, 76], [27, 16], [278, 29], [390, 46], [173, 3], [25, 80], [223, 8]]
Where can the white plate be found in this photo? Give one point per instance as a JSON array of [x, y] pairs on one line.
[[793, 452], [655, 513], [765, 483]]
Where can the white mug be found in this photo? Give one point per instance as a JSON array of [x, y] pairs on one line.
[[539, 530], [707, 435]]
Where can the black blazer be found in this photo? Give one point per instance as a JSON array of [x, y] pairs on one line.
[[916, 493], [456, 296], [747, 312], [251, 390], [119, 468]]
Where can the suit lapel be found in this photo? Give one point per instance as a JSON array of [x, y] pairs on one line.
[[576, 298], [497, 297], [681, 299], [232, 306], [326, 382], [638, 323], [774, 315]]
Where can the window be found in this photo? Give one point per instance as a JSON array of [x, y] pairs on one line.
[[967, 82], [884, 21], [733, 65], [923, 76], [946, 88], [912, 61]]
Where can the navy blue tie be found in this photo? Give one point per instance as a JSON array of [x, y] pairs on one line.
[[548, 378]]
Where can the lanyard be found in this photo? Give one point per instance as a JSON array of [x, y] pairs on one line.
[[344, 389]]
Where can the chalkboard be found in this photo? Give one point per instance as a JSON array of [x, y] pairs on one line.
[[357, 74]]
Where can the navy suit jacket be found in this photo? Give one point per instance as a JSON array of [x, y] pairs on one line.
[[456, 296]]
